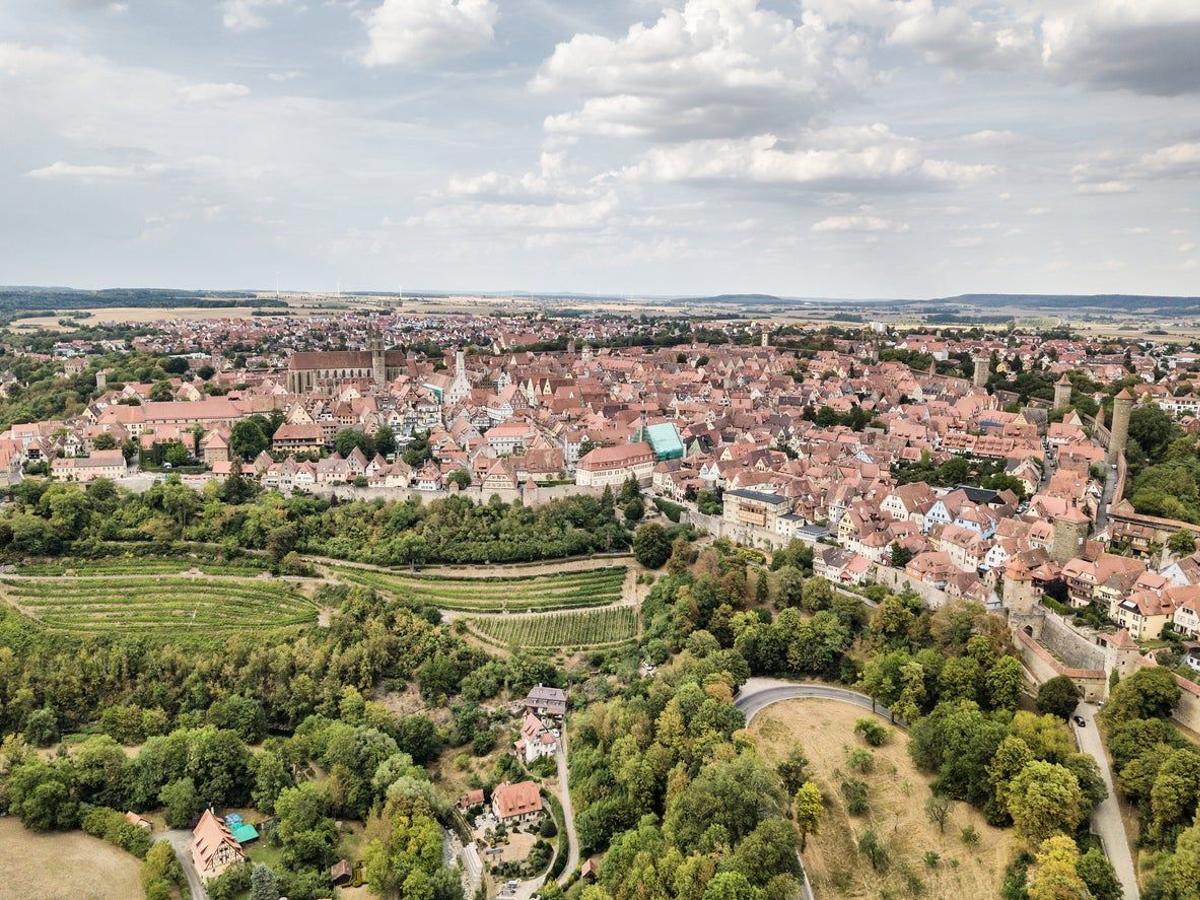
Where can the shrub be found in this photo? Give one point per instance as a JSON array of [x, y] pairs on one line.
[[869, 846], [861, 760], [855, 793], [970, 836], [872, 732]]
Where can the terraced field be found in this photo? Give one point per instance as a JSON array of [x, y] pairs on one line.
[[175, 607], [82, 568], [565, 590], [575, 629]]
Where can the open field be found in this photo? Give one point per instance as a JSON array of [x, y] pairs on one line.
[[135, 315], [897, 792], [595, 587], [561, 630], [170, 606], [63, 866]]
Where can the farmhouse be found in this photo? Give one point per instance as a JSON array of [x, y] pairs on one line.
[[515, 803], [544, 701], [213, 847], [536, 741]]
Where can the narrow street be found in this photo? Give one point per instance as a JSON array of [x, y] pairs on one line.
[[1106, 820], [568, 809], [181, 840]]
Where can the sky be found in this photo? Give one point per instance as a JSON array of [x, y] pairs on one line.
[[822, 148]]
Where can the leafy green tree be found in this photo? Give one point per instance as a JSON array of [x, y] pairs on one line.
[[306, 832], [385, 440], [263, 885], [808, 807], [1003, 683], [1097, 873], [1146, 694], [1182, 543], [635, 510], [247, 438], [1055, 877], [1059, 696], [182, 802], [651, 546], [1044, 799], [794, 770]]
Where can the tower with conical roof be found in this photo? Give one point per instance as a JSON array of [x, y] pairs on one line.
[[1118, 433], [1062, 392]]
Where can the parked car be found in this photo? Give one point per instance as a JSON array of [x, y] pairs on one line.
[[1080, 721]]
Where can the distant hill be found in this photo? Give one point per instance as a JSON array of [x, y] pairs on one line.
[[1125, 302]]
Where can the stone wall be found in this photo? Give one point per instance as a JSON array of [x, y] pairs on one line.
[[1042, 664], [1070, 645], [897, 580], [1187, 713]]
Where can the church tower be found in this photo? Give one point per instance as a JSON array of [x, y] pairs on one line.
[[378, 360]]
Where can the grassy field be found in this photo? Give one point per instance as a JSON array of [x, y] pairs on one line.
[[175, 607], [63, 866], [561, 630], [595, 587], [897, 792]]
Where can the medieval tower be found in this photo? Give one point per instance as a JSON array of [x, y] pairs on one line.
[[1070, 535], [1062, 392], [983, 365], [1118, 433]]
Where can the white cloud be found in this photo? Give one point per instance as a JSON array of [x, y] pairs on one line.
[[211, 92], [1147, 46], [64, 171], [715, 68], [1180, 160], [415, 32], [951, 36], [833, 159], [859, 223], [246, 15]]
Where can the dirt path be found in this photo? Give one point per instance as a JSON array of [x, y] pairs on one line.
[[524, 570]]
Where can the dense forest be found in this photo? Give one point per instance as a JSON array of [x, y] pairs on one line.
[[49, 519]]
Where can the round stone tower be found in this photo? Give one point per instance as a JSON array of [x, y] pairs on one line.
[[1070, 535], [1118, 433], [1062, 392], [983, 365]]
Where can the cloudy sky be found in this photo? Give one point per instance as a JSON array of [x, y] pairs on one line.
[[859, 148]]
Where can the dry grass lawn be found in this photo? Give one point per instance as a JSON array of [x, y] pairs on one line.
[[897, 795], [63, 866]]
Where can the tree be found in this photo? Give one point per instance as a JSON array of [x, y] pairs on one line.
[[1059, 696], [1182, 543], [262, 884], [872, 848], [385, 440], [306, 833], [808, 808], [1002, 683], [793, 771], [1149, 693], [1176, 878], [174, 365], [937, 810], [41, 727], [182, 802], [1055, 877], [104, 441], [901, 556], [651, 546], [635, 510], [1097, 873], [346, 440], [247, 438], [789, 586], [1044, 800]]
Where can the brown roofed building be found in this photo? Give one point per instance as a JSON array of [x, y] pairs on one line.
[[213, 847], [517, 802]]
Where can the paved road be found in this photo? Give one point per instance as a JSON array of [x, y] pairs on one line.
[[759, 693], [564, 786], [181, 840], [1106, 820]]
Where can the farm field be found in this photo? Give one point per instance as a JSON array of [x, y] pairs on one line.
[[63, 866], [566, 590], [897, 792], [565, 630], [171, 606], [82, 568]]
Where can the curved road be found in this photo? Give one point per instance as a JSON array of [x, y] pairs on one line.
[[568, 810], [759, 693]]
